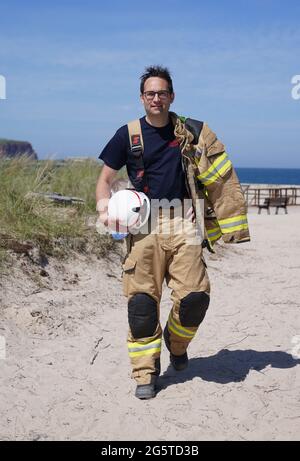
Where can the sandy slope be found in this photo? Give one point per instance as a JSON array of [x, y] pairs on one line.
[[66, 372]]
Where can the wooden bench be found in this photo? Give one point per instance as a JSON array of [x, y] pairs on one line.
[[278, 202]]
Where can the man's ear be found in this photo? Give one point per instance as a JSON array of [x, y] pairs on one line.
[[142, 99], [172, 97]]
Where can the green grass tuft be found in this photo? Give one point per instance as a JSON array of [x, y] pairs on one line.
[[54, 229]]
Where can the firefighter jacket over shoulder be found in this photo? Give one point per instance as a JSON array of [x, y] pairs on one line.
[[210, 176], [210, 179]]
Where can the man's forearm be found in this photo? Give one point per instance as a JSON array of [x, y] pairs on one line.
[[103, 193]]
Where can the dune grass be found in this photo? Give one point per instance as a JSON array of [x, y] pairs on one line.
[[55, 229]]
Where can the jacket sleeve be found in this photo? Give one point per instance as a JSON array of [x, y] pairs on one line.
[[222, 187]]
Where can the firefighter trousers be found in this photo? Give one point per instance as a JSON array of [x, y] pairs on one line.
[[171, 251]]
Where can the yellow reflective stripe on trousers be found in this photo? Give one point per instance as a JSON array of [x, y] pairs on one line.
[[220, 166], [233, 224], [138, 349], [179, 330]]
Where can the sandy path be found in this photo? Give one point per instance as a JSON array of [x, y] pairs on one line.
[[66, 372]]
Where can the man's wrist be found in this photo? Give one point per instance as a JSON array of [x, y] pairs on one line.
[[102, 206]]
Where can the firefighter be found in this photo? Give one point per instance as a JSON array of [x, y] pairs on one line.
[[171, 159]]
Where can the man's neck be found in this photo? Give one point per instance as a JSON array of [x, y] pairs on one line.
[[158, 121]]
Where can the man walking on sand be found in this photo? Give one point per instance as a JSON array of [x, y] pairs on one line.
[[171, 159]]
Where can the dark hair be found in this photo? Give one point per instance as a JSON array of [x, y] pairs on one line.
[[156, 71]]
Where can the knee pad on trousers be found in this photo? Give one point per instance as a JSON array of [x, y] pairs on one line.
[[142, 315], [193, 308]]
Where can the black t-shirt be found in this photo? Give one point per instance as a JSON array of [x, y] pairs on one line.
[[162, 159]]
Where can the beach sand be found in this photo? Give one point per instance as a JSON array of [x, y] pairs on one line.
[[66, 374]]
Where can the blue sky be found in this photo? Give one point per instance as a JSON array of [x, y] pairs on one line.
[[72, 72]]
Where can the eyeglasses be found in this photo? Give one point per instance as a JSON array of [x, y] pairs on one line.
[[163, 94]]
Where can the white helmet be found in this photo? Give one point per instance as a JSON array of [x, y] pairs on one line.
[[129, 208]]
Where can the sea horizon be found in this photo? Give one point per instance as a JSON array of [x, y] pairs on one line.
[[256, 175]]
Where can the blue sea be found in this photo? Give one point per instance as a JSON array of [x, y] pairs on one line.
[[269, 175]]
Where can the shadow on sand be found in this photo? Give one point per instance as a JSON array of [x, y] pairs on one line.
[[227, 366]]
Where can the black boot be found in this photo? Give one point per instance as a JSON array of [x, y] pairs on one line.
[[146, 391]]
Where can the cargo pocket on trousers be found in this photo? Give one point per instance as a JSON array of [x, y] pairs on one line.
[[128, 268]]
